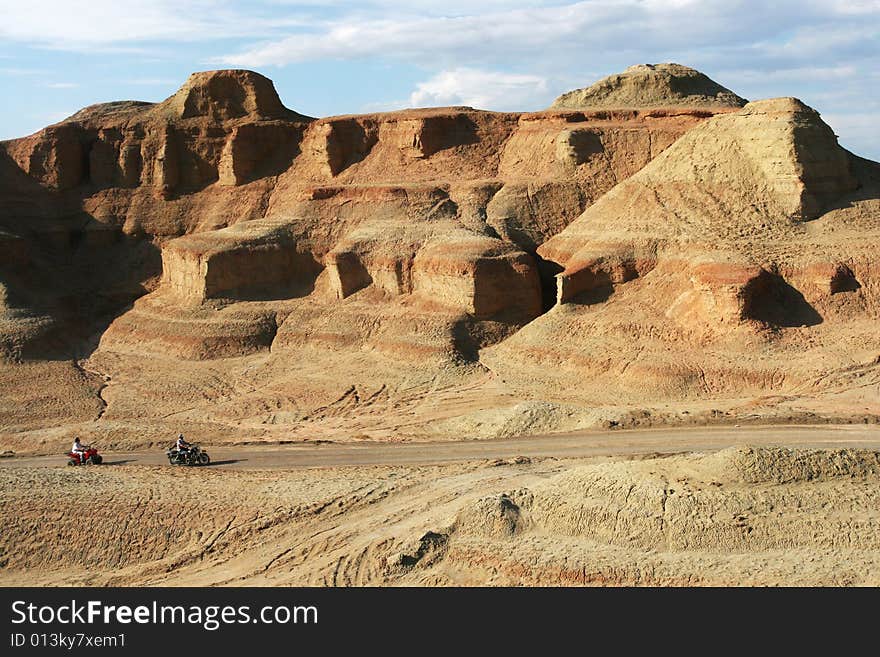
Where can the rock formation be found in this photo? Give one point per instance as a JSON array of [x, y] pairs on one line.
[[645, 241], [733, 262], [652, 85]]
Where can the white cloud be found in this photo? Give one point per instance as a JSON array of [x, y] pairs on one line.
[[481, 89], [822, 40], [302, 30], [558, 31], [61, 85], [433, 36], [116, 24]]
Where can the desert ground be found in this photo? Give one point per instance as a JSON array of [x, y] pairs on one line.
[[582, 509], [627, 339]]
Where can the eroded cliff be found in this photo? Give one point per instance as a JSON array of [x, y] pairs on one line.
[[221, 263]]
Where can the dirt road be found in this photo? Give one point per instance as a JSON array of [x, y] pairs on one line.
[[570, 445]]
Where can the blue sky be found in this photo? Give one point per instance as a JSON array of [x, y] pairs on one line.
[[331, 57]]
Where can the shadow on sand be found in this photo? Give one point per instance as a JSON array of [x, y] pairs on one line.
[[226, 462]]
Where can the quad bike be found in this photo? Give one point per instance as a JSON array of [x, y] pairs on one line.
[[90, 457], [192, 456]]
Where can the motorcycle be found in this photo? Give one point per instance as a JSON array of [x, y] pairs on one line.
[[192, 456], [89, 457]]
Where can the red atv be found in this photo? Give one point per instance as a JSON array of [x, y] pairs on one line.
[[91, 457]]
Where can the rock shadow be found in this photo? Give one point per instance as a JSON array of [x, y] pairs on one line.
[[769, 299]]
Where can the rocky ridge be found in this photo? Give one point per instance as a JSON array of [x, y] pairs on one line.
[[652, 85], [651, 240]]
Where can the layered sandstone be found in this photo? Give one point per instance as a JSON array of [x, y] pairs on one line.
[[254, 258], [635, 245], [719, 268]]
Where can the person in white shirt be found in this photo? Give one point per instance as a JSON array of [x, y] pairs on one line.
[[80, 449], [182, 445]]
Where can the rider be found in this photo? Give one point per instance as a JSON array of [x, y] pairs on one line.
[[182, 446], [79, 449]]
